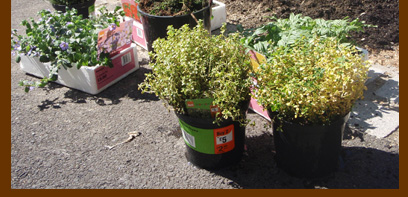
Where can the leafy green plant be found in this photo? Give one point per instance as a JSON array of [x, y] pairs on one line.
[[283, 32], [315, 81], [64, 39], [192, 64]]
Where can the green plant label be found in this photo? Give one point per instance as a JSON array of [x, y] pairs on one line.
[[209, 141], [202, 106]]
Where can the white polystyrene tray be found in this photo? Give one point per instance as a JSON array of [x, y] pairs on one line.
[[91, 80], [219, 15]]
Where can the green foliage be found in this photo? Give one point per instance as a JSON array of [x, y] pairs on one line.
[[192, 64], [64, 39], [315, 81], [283, 32]]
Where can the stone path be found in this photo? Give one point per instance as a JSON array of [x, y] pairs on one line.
[[378, 113]]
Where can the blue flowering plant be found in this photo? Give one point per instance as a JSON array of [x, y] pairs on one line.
[[65, 40]]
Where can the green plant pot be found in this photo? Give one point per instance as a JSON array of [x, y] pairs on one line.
[[212, 146], [308, 151], [83, 8], [156, 26]]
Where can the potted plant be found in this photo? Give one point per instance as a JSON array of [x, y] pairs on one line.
[[309, 88], [285, 31], [84, 7], [263, 40], [59, 42], [156, 15], [207, 85]]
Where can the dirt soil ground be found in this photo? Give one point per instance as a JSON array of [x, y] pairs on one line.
[[382, 42]]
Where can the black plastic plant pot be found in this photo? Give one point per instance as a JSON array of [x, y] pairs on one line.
[[212, 146], [308, 151], [83, 8], [156, 26]]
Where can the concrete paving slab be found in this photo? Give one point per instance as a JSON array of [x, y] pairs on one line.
[[378, 113], [373, 74], [390, 90], [374, 119]]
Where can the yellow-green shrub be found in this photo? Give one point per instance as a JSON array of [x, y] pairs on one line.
[[312, 81], [192, 64]]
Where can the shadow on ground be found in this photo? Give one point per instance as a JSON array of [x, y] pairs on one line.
[[380, 102], [127, 87], [359, 168]]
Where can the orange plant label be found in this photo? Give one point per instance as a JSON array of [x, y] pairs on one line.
[[224, 139]]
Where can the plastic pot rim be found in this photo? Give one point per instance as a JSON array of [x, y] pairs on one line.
[[335, 121], [79, 5]]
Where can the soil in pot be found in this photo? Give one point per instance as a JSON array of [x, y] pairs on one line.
[[171, 7], [83, 8], [155, 22], [308, 151]]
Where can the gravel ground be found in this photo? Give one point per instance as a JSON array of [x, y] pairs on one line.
[[58, 139]]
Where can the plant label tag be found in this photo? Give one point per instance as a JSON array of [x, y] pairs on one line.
[[139, 34], [114, 39], [202, 108], [208, 141], [130, 9], [224, 139], [256, 59]]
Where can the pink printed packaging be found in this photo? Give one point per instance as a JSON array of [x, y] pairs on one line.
[[256, 59], [138, 34]]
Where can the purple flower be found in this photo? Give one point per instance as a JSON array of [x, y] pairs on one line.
[[31, 52], [64, 46], [48, 20], [69, 23], [16, 44], [112, 27]]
